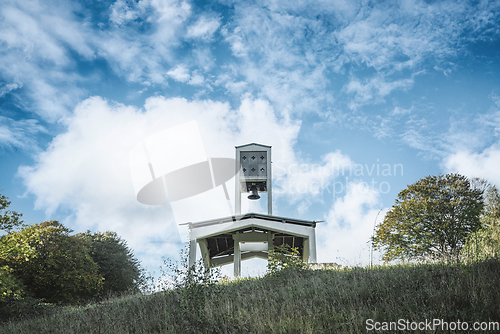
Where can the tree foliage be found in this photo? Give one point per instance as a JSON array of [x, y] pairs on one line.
[[10, 285], [491, 212], [53, 265], [285, 257], [431, 219], [485, 243], [180, 275], [43, 261], [117, 264], [8, 219]]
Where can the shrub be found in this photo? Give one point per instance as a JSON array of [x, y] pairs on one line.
[[121, 270], [285, 257], [10, 285], [53, 265]]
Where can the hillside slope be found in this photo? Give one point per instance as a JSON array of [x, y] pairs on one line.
[[321, 301]]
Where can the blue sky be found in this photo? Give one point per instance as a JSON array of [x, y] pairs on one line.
[[386, 91]]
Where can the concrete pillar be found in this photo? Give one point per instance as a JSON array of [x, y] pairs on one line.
[[205, 255], [192, 253], [270, 242], [312, 247], [305, 251], [269, 185], [237, 194], [237, 255], [237, 200]]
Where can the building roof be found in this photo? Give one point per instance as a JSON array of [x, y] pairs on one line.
[[251, 216], [252, 144]]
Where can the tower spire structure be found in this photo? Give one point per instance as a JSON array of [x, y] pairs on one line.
[[254, 175]]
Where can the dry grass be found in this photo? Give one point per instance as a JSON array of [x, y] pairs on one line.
[[321, 301]]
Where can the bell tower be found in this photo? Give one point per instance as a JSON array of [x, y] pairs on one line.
[[244, 236], [254, 174]]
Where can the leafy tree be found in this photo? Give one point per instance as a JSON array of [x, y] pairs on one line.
[[10, 285], [285, 257], [51, 264], [179, 275], [485, 243], [491, 211], [431, 219], [117, 264], [8, 219]]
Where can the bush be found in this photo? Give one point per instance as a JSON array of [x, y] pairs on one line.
[[52, 265], [10, 285], [178, 275], [121, 270], [285, 257], [16, 308]]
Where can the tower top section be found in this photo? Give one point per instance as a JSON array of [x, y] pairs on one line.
[[254, 174], [252, 144]]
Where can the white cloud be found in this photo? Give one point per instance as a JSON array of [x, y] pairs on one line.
[[236, 88], [121, 12], [374, 90], [344, 237], [287, 52], [302, 181], [428, 144], [45, 40], [466, 133], [203, 28], [38, 40], [9, 88], [203, 59], [492, 119], [236, 41], [397, 111], [284, 52], [20, 134], [21, 30], [142, 56], [179, 73], [196, 79], [86, 169], [391, 37], [484, 165]]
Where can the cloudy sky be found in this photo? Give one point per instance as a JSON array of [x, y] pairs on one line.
[[357, 99]]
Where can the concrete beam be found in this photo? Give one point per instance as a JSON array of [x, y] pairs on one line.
[[228, 227], [270, 242], [192, 253], [205, 255], [312, 247], [220, 261], [237, 255], [306, 251], [253, 237]]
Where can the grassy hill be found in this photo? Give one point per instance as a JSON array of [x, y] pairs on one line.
[[319, 301]]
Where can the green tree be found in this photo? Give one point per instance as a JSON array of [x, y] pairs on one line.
[[117, 263], [491, 211], [8, 219], [285, 257], [485, 243], [431, 219], [10, 285], [51, 264]]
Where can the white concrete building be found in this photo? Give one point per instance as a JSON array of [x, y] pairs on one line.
[[245, 236]]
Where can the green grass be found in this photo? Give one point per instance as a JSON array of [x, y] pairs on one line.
[[321, 301]]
